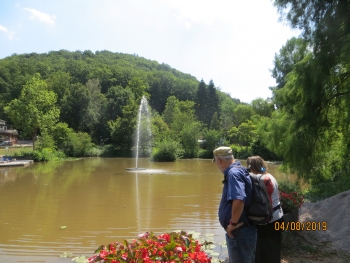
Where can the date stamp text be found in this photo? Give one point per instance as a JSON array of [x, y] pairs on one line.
[[307, 226]]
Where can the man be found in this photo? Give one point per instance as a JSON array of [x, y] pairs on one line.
[[240, 231]]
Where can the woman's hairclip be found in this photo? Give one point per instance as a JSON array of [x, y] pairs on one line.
[[263, 169]]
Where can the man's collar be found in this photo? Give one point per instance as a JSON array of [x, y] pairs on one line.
[[236, 163]]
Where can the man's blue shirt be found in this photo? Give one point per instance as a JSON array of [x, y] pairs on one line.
[[237, 186]]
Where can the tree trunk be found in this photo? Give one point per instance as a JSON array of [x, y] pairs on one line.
[[33, 139]]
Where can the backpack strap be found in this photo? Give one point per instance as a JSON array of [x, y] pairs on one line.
[[277, 207], [267, 192]]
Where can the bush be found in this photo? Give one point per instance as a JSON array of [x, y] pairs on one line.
[[288, 187], [45, 141], [241, 152], [77, 145], [110, 150], [263, 152], [290, 195], [166, 151], [71, 143], [320, 191], [94, 152], [43, 155], [205, 154]]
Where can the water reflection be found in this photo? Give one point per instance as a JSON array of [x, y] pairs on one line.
[[99, 202]]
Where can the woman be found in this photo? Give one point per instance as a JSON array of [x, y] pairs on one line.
[[268, 245]]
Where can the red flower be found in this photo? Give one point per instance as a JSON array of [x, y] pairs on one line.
[[291, 201], [144, 235], [169, 247]]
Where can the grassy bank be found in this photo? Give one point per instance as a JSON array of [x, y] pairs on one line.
[[13, 150]]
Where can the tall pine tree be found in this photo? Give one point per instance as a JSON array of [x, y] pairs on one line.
[[201, 102], [212, 104]]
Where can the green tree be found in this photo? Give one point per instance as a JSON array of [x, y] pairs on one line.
[[184, 114], [202, 102], [213, 103], [75, 101], [247, 133], [313, 96], [215, 122], [59, 83], [138, 87], [212, 138], [117, 97], [96, 103], [289, 55], [171, 109], [73, 144], [227, 106], [242, 113], [122, 129], [262, 107], [160, 129], [35, 108], [189, 135]]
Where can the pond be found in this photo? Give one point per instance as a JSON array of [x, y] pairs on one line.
[[76, 206]]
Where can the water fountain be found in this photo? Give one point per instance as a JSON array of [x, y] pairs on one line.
[[143, 132]]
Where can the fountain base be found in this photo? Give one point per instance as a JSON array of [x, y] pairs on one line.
[[135, 169]]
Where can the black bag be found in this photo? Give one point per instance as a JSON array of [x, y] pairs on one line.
[[260, 209]]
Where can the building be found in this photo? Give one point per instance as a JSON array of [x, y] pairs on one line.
[[7, 133]]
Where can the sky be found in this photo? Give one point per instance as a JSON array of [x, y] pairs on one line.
[[230, 42]]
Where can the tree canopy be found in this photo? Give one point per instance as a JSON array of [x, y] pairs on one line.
[[313, 89], [34, 110]]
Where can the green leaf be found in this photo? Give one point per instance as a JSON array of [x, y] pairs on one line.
[[63, 227], [80, 259], [187, 242], [170, 246], [66, 255], [99, 249]]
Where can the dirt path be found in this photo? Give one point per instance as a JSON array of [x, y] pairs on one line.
[[330, 245]]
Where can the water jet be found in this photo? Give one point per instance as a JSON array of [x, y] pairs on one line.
[[143, 133]]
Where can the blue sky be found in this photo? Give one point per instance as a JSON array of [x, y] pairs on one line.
[[231, 42]]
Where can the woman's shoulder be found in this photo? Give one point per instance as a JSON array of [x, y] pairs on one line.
[[272, 179]]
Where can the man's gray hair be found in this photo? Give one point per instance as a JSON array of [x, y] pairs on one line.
[[227, 157]]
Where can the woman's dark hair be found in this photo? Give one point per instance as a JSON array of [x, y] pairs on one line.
[[256, 164]]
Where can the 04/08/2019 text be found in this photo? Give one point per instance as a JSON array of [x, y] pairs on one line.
[[308, 226]]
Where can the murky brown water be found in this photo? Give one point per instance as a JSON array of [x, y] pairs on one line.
[[99, 201]]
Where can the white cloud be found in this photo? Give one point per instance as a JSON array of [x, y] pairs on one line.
[[41, 16], [7, 32]]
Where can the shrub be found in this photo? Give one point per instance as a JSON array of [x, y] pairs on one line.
[[261, 150], [290, 195], [77, 145], [241, 152], [288, 186], [320, 191], [205, 154], [43, 155], [166, 151], [45, 141], [110, 150], [71, 143], [94, 152], [290, 201]]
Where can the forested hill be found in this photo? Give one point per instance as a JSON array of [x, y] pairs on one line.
[[111, 69], [92, 90]]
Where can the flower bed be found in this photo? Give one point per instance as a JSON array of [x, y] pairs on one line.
[[149, 248], [290, 201]]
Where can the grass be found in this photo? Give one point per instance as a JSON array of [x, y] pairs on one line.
[[12, 150]]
